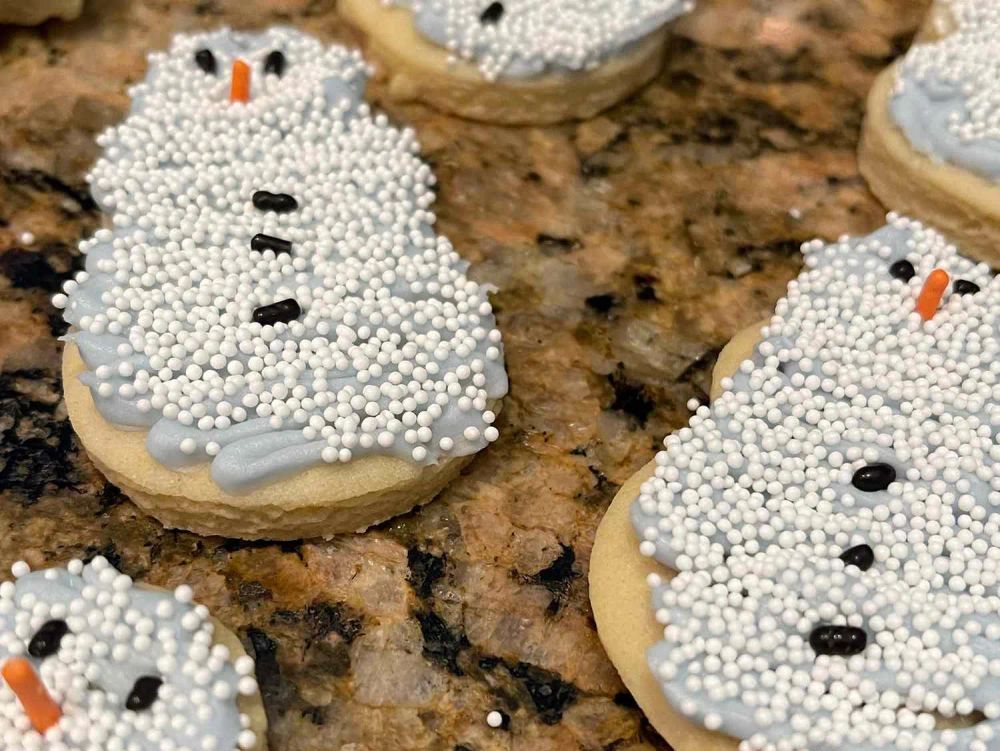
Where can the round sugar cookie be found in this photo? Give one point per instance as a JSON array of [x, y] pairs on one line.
[[86, 655], [415, 69], [321, 501]]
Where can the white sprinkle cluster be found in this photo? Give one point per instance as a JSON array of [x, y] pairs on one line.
[[526, 37], [395, 351], [967, 13], [948, 91], [736, 655], [118, 633], [759, 491]]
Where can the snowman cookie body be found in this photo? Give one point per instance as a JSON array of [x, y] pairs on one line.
[[515, 61], [821, 541], [270, 340], [91, 662], [930, 144]]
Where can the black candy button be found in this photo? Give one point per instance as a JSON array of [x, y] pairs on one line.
[[840, 641], [282, 311], [143, 693], [45, 642], [275, 63], [492, 14], [266, 242], [965, 287], [205, 60], [279, 202], [903, 270], [872, 477], [861, 556]]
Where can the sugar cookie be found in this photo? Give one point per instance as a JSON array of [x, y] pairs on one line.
[[930, 144], [90, 660], [270, 340], [830, 517], [515, 62]]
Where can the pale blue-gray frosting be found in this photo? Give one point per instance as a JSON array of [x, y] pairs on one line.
[[928, 103], [432, 19], [863, 262], [252, 452], [111, 680]]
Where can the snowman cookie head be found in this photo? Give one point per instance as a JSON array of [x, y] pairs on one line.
[[231, 75], [89, 661]]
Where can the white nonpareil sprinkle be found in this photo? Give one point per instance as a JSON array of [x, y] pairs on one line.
[[111, 636], [519, 37], [395, 350], [856, 423], [494, 719]]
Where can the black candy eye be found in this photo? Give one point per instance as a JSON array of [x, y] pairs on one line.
[[143, 693], [205, 60], [841, 641], [275, 63], [903, 270], [45, 642], [861, 556], [872, 477], [965, 287], [492, 14]]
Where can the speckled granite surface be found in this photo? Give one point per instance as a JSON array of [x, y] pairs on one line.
[[626, 249]]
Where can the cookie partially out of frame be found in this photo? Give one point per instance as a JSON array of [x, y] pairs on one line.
[[807, 508], [139, 667], [414, 69], [964, 205], [319, 502], [961, 202]]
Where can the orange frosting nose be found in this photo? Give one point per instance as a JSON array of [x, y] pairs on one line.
[[931, 294], [31, 692], [239, 88]]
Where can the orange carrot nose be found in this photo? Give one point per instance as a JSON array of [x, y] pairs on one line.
[[31, 692], [239, 88], [931, 294]]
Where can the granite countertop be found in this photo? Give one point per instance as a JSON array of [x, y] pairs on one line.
[[626, 249]]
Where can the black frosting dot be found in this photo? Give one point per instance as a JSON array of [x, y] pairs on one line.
[[275, 63], [282, 311], [493, 13], [903, 269], [861, 556], [965, 287], [205, 60], [840, 641], [46, 640], [143, 694], [261, 242], [279, 202], [872, 477]]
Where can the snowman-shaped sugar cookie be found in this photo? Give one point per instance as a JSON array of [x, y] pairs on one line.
[[823, 539], [92, 662], [269, 338]]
